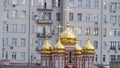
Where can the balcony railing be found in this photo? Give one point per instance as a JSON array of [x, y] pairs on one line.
[[42, 8], [39, 21], [42, 35]]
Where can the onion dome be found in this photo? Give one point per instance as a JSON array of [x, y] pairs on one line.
[[68, 37], [59, 48], [88, 48], [46, 47], [78, 49]]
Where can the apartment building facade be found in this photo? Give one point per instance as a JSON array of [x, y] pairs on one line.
[[23, 27]]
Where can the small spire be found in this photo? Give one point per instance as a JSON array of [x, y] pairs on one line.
[[46, 32], [88, 32]]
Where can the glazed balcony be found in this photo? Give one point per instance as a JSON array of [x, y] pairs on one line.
[[42, 35], [43, 21]]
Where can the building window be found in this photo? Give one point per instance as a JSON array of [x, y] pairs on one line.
[[14, 41], [96, 44], [96, 18], [14, 14], [112, 45], [41, 16], [87, 17], [71, 3], [104, 4], [6, 56], [14, 28], [48, 16], [103, 58], [79, 31], [23, 14], [112, 58], [118, 58], [104, 19], [58, 16], [118, 32], [113, 7], [40, 43], [13, 55], [70, 57], [23, 28], [84, 31], [5, 41], [22, 2], [22, 55], [104, 45], [23, 42], [32, 2], [112, 32], [96, 4], [87, 3], [79, 16], [96, 31], [119, 19], [118, 45], [104, 32], [41, 3], [41, 30], [119, 6], [96, 58], [5, 15], [79, 3], [14, 2], [57, 3], [113, 19], [5, 27], [71, 16]]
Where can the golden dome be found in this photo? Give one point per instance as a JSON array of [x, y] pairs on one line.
[[88, 48], [78, 49], [68, 37], [46, 47], [59, 48]]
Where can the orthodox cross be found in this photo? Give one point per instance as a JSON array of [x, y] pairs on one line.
[[88, 32], [46, 32]]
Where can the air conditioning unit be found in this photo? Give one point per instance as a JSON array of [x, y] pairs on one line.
[[105, 21], [114, 11], [113, 24], [96, 22], [13, 5], [11, 47]]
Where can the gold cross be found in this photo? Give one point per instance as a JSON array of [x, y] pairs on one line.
[[88, 32], [46, 31], [59, 27]]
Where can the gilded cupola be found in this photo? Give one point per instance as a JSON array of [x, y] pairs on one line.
[[59, 47], [78, 49], [46, 47], [88, 48], [68, 37]]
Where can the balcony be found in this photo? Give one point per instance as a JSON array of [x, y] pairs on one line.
[[39, 21], [42, 8], [42, 35]]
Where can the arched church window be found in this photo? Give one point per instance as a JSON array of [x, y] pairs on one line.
[[70, 57]]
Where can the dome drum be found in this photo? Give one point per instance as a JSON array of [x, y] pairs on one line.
[[68, 40]]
